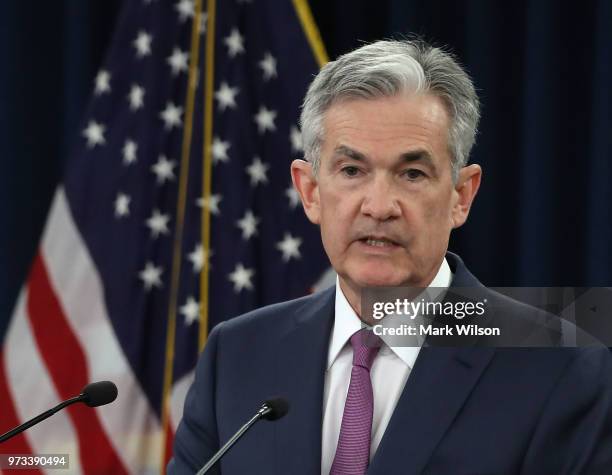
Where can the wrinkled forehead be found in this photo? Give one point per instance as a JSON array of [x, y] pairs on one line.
[[388, 125]]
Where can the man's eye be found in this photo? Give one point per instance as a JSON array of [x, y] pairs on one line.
[[414, 174], [350, 171]]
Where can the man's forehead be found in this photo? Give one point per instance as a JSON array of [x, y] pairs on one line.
[[407, 127]]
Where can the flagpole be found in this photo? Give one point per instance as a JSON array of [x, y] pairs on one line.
[[179, 228], [302, 9], [207, 170]]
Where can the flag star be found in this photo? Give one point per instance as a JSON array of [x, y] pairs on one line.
[[171, 116], [129, 151], [234, 43], [158, 223], [241, 277], [248, 224], [142, 43], [151, 276], [203, 20], [290, 247], [198, 256], [257, 171], [211, 203], [136, 97], [268, 66], [185, 9], [219, 150], [296, 139], [294, 197], [163, 169], [191, 310], [94, 133], [226, 96], [102, 83], [178, 61], [122, 205], [265, 119]]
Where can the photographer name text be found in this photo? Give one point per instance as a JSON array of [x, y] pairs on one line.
[[431, 330]]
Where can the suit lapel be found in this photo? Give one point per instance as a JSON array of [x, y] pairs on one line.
[[437, 388], [301, 359]]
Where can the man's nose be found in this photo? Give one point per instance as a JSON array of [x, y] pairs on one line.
[[380, 202]]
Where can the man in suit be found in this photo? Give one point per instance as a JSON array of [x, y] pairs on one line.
[[387, 132]]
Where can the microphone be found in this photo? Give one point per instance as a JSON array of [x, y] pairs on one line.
[[271, 410], [93, 395], [98, 394]]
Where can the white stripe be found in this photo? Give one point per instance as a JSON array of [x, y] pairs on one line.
[[33, 392], [177, 398], [130, 423], [327, 279]]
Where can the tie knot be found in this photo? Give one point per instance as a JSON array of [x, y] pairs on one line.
[[365, 347]]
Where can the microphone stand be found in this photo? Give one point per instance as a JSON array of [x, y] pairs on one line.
[[264, 411], [26, 425]]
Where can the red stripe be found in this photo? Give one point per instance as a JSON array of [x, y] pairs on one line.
[[9, 419], [168, 450], [66, 362]]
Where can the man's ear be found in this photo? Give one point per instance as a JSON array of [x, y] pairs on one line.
[[465, 190], [306, 185]]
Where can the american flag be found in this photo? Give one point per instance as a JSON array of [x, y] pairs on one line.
[[124, 286]]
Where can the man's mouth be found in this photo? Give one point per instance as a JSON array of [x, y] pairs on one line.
[[375, 241]]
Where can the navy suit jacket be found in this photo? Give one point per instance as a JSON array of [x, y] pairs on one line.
[[470, 410]]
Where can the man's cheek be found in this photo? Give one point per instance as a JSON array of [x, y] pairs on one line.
[[434, 210]]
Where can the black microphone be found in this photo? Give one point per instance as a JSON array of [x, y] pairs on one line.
[[98, 394], [94, 394], [271, 410]]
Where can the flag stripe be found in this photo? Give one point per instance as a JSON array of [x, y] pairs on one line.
[[33, 391], [18, 444], [81, 293], [179, 392], [65, 361], [167, 454]]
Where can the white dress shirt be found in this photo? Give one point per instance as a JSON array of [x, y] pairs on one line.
[[389, 374]]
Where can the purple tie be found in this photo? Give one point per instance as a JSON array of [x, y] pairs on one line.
[[353, 451]]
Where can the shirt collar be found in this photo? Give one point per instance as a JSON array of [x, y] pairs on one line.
[[346, 321]]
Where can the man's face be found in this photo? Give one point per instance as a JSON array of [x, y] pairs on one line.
[[384, 196]]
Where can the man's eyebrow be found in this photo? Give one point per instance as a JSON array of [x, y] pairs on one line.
[[408, 157], [418, 155], [343, 150]]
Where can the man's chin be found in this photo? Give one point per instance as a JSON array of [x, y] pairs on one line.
[[379, 279]]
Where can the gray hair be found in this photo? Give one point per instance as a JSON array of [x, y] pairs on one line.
[[389, 68]]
